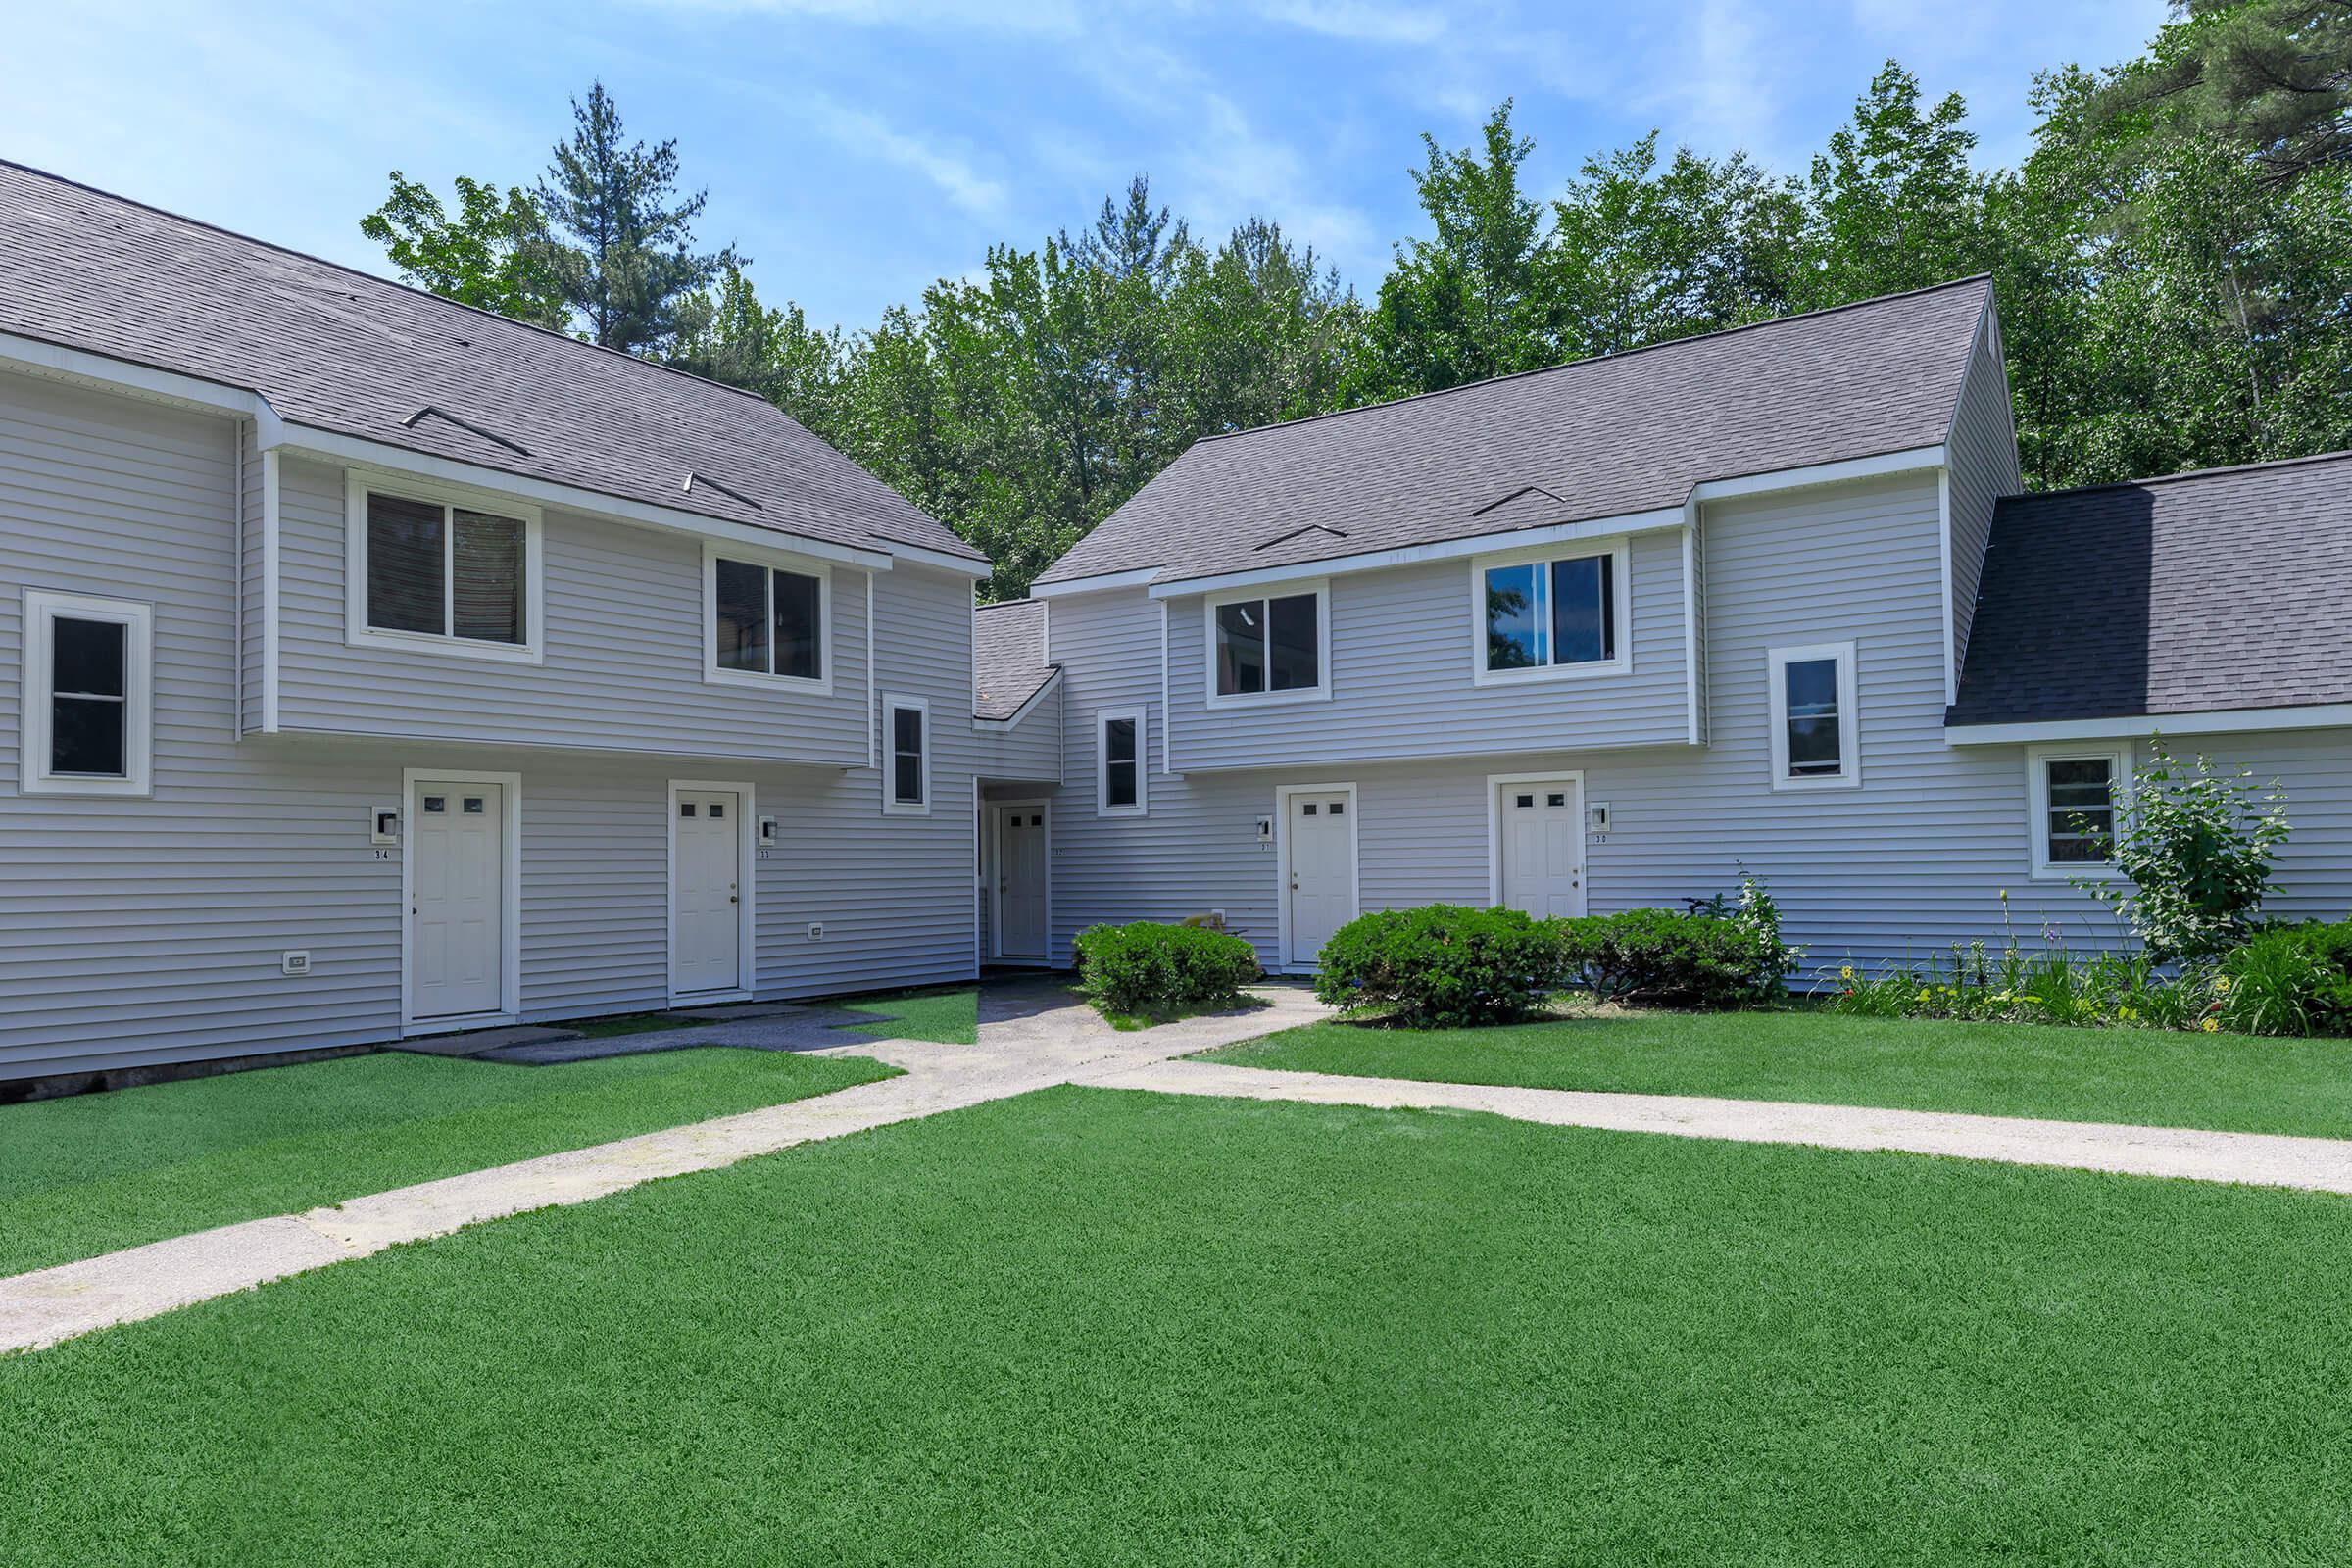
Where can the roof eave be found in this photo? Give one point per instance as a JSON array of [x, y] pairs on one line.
[[2121, 726]]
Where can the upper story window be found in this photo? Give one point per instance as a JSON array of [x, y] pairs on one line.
[[2075, 795], [1269, 647], [1815, 737], [906, 754], [767, 620], [442, 571], [1552, 612], [1119, 762], [88, 694]]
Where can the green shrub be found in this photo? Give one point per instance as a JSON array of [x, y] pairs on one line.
[[2010, 985], [1145, 968], [1663, 959], [1441, 966], [2194, 850], [2289, 980]]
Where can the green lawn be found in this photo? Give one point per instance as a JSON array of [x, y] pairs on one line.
[[96, 1172], [943, 1017], [1089, 1327], [2235, 1083]]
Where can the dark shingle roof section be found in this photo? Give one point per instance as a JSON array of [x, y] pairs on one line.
[[1008, 657], [1597, 438], [340, 351], [2225, 589]]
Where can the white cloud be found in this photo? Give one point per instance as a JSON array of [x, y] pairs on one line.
[[1358, 21], [862, 131]]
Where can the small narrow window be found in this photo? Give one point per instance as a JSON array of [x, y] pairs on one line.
[[1119, 762], [1813, 721], [766, 620], [1526, 803], [473, 806], [436, 804], [686, 808], [718, 811], [2076, 797], [1560, 614], [1555, 800], [87, 676], [907, 754], [1339, 807], [1263, 647]]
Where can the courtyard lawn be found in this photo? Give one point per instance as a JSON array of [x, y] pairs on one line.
[[1086, 1326], [97, 1172], [942, 1017], [2164, 1078]]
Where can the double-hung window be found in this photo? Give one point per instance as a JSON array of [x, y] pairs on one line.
[[766, 621], [442, 572], [2075, 795], [1550, 613], [1815, 739], [905, 755], [88, 694], [1119, 762], [1269, 647]]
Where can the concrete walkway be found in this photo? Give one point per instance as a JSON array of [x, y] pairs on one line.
[[1032, 1036], [2258, 1160]]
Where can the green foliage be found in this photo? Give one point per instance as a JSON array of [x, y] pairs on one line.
[[1145, 968], [1893, 204], [1669, 959], [2010, 985], [731, 337], [1441, 966], [2196, 848], [491, 255], [621, 240], [2289, 980], [2272, 76]]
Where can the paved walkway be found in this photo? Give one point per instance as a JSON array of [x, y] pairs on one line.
[[2260, 1160], [1032, 1038]]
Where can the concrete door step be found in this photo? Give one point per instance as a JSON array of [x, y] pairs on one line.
[[477, 1041]]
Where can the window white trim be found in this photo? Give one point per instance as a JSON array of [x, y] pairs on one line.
[[2117, 756], [746, 876], [357, 485], [1620, 663], [1102, 722], [509, 901], [137, 618], [1320, 692], [1849, 728], [1282, 866], [893, 703], [772, 560]]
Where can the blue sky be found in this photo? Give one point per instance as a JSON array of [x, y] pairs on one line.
[[858, 149]]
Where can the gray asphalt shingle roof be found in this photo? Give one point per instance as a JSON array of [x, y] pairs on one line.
[[2231, 588], [1009, 659], [1596, 438], [340, 351]]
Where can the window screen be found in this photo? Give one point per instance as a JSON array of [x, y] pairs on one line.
[[2080, 828], [1813, 740], [89, 708], [1119, 764], [907, 755]]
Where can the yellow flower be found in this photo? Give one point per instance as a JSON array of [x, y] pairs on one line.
[[2221, 984], [1847, 973], [2211, 1025], [1923, 994]]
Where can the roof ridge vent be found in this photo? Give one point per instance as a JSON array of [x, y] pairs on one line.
[[438, 413], [1523, 490], [693, 478]]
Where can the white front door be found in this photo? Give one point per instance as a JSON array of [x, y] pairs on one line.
[[1543, 848], [707, 892], [1022, 880], [456, 882], [1321, 841]]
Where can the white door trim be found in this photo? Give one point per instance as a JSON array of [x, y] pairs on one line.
[[509, 901], [996, 880], [1497, 783], [747, 921], [1281, 863]]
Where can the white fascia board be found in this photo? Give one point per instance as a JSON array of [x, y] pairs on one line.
[[34, 357], [1136, 578], [274, 434], [1910, 460], [2209, 721], [940, 561], [1444, 550], [1052, 684]]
